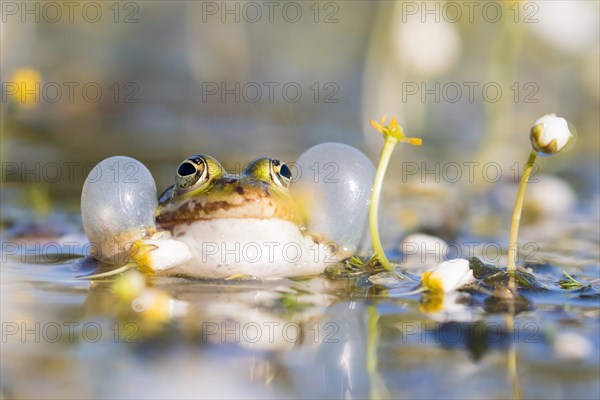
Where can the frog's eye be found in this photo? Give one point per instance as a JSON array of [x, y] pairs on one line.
[[269, 170], [280, 173], [192, 173]]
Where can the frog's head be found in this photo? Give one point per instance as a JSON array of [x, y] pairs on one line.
[[204, 190]]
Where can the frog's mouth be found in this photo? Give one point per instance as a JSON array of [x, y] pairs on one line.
[[238, 202]]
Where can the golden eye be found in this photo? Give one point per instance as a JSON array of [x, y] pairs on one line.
[[269, 170], [192, 173]]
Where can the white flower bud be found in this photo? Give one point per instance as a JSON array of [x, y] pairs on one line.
[[448, 276], [549, 134]]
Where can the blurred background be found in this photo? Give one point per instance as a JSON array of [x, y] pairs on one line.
[[161, 80]]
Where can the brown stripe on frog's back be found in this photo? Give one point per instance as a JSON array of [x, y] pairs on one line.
[[230, 198]]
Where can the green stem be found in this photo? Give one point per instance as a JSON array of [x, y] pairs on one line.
[[384, 159], [516, 217]]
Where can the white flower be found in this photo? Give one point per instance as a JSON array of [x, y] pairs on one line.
[[550, 134], [448, 276]]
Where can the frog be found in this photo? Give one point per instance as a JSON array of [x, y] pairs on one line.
[[212, 224], [244, 220]]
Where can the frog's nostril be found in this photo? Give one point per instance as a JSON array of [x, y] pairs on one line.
[[186, 169]]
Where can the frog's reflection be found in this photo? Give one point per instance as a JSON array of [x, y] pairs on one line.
[[274, 328]]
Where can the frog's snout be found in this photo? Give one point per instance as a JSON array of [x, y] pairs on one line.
[[118, 201]]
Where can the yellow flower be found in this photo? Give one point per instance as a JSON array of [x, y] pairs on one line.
[[393, 130], [24, 86]]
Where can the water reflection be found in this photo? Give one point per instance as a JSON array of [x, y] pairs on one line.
[[283, 324], [310, 338]]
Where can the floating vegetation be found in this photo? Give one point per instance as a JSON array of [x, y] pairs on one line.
[[570, 283], [498, 278], [355, 266]]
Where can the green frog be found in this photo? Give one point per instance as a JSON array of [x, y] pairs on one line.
[[249, 223], [212, 224]]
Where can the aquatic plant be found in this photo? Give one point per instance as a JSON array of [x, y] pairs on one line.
[[570, 283], [392, 135], [548, 136]]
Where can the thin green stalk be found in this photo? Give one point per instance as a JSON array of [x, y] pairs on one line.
[[386, 153], [516, 217], [392, 135]]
